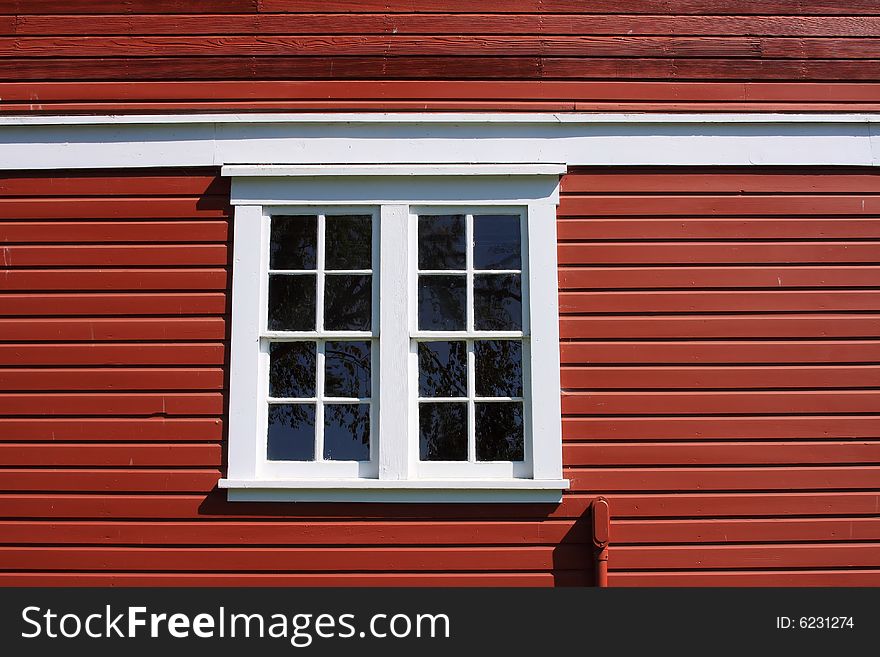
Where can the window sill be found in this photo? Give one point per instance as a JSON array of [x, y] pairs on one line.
[[376, 490]]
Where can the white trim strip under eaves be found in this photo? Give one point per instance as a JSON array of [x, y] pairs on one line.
[[301, 140]]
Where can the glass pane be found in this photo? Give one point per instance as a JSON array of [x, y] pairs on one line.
[[348, 302], [496, 242], [294, 242], [497, 302], [443, 431], [498, 368], [441, 242], [292, 369], [347, 432], [442, 369], [347, 367], [292, 302], [291, 432], [348, 242], [499, 431], [442, 302]]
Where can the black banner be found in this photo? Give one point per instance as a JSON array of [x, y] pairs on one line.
[[273, 621]]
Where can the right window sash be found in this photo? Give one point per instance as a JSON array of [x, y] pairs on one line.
[[470, 343]]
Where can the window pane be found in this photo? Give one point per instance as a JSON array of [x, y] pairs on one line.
[[443, 431], [498, 368], [442, 369], [292, 302], [441, 242], [291, 432], [496, 242], [292, 369], [294, 242], [347, 432], [442, 302], [348, 302], [499, 431], [347, 367], [349, 242], [497, 302]]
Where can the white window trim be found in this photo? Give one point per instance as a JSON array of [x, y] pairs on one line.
[[259, 191]]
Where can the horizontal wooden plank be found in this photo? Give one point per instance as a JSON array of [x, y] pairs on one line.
[[729, 205], [771, 7], [113, 279], [107, 479], [113, 455], [391, 45], [194, 207], [660, 327], [726, 453], [858, 555], [301, 67], [397, 579], [118, 255], [744, 530], [202, 507], [776, 277], [169, 404], [132, 304], [106, 329], [727, 402], [726, 352], [303, 559], [846, 577], [160, 429], [693, 479], [425, 106], [719, 377], [163, 353], [381, 23], [775, 180], [176, 378], [678, 253], [725, 180], [188, 182], [702, 301], [125, 6], [717, 228], [280, 532], [109, 231], [772, 427]]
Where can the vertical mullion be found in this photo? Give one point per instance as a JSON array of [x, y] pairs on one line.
[[319, 402], [471, 391], [319, 293], [319, 360]]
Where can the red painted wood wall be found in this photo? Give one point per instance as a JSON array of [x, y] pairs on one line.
[[331, 55], [720, 347]]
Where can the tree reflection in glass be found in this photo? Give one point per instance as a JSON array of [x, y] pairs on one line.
[[498, 368], [292, 369], [293, 242], [499, 431], [443, 431], [348, 302], [442, 241], [497, 302], [347, 432], [443, 369], [348, 242], [442, 303], [347, 369], [291, 434]]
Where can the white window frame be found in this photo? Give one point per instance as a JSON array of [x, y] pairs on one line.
[[396, 195]]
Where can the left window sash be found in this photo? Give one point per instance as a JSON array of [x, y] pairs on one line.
[[306, 427]]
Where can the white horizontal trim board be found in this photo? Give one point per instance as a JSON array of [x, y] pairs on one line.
[[38, 142]]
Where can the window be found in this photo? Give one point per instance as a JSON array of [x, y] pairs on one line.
[[392, 336]]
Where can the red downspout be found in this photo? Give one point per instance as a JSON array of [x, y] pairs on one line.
[[601, 532]]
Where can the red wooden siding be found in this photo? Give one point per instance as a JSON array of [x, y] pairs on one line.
[[720, 347], [720, 341], [113, 380], [555, 55]]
